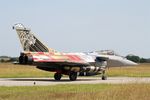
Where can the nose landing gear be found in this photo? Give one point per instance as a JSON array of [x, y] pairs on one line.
[[104, 77]]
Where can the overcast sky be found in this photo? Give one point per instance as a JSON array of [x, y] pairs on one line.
[[79, 25]]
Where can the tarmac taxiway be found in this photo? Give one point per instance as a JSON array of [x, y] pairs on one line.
[[80, 80]]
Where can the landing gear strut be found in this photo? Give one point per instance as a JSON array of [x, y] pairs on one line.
[[73, 76], [104, 77], [57, 76]]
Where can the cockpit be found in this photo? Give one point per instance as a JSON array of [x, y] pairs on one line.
[[107, 52]]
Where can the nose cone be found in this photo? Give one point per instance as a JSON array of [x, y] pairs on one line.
[[116, 61], [127, 62]]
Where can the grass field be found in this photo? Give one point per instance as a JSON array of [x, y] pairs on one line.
[[8, 70], [75, 92], [142, 70], [78, 92]]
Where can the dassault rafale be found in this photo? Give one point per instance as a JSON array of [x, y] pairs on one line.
[[72, 64]]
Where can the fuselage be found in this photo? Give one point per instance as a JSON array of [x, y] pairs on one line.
[[37, 54], [79, 62]]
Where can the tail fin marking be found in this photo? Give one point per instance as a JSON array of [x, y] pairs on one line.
[[28, 40]]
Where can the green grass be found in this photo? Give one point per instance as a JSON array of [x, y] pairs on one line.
[[8, 70], [142, 70], [78, 92]]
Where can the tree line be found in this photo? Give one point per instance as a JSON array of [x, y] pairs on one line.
[[138, 59], [8, 59]]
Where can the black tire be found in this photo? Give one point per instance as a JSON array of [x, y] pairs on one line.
[[57, 76], [104, 77], [25, 59], [73, 76], [21, 60]]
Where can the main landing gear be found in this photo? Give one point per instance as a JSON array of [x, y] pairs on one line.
[[72, 76], [57, 76]]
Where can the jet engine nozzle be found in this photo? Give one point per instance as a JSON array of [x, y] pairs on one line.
[[24, 59]]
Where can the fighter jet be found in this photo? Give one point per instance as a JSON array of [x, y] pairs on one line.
[[72, 64]]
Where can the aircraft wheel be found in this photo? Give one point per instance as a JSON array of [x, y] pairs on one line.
[[57, 76], [73, 76], [104, 77], [21, 60]]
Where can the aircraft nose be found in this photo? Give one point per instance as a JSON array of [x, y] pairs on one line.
[[127, 62]]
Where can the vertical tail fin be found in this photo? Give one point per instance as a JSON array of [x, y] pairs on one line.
[[28, 40]]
